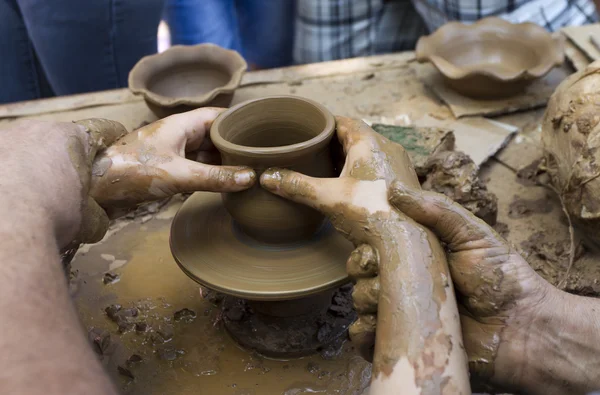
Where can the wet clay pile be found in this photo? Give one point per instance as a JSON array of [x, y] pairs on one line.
[[442, 169], [571, 135], [523, 208], [570, 266], [281, 336], [454, 174], [551, 260], [152, 330], [155, 330]]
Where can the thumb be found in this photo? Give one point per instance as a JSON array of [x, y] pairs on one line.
[[94, 223], [318, 193], [102, 133], [190, 176], [452, 223]]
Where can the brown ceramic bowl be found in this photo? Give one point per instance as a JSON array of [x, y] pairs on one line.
[[187, 77], [280, 131], [491, 58]]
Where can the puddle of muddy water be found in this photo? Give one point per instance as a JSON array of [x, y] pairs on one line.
[[150, 352]]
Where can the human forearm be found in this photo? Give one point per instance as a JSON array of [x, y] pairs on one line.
[[419, 346], [558, 353], [43, 347]]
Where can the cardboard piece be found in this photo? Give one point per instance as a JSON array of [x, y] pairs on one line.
[[478, 137], [575, 56], [535, 95], [580, 36], [420, 143]]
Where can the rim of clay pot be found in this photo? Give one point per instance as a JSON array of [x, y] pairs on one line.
[[151, 65], [229, 147], [531, 35]]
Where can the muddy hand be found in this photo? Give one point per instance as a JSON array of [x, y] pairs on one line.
[[499, 293], [48, 166], [362, 266], [371, 158], [102, 133], [169, 156], [400, 269]]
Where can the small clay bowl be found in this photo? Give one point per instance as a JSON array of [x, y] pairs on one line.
[[187, 77], [280, 131], [492, 58]]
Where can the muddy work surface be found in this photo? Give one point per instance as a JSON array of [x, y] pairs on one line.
[[530, 216], [156, 333]]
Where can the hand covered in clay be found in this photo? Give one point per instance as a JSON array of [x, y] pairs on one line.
[[390, 246], [169, 156], [46, 174], [372, 163], [500, 295]]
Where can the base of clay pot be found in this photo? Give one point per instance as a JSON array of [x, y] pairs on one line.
[[211, 250], [222, 100], [486, 88], [291, 329]]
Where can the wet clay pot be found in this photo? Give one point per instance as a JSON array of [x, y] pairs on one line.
[[492, 58], [184, 78], [282, 131]]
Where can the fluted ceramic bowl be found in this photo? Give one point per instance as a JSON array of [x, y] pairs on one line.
[[492, 58], [187, 77]]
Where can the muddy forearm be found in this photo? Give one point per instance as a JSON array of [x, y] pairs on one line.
[[559, 353], [42, 341], [418, 346]]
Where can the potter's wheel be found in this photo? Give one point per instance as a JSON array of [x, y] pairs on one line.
[[211, 249]]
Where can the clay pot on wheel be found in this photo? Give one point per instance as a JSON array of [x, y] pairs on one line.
[[187, 77], [282, 131]]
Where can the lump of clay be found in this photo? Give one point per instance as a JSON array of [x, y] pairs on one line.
[[454, 174], [571, 137]]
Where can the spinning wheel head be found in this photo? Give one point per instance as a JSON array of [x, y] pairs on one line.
[[212, 250]]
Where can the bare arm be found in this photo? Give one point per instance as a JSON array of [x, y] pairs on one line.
[[44, 350], [45, 204], [559, 353], [521, 333], [418, 347], [42, 342]]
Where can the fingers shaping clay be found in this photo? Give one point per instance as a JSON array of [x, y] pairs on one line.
[[418, 343], [254, 244], [281, 131]]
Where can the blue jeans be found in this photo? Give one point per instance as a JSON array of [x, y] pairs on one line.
[[61, 47], [261, 30]]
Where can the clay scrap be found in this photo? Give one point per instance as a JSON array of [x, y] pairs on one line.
[[442, 169], [454, 174], [420, 143], [480, 138]]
